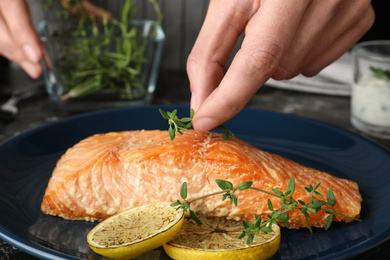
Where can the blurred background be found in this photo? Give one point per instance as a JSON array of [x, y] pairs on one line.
[[181, 23], [183, 20]]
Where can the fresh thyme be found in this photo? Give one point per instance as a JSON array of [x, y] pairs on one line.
[[280, 214], [380, 73], [177, 125], [102, 55]]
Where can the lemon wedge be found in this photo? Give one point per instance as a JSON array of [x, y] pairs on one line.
[[217, 238], [135, 231]]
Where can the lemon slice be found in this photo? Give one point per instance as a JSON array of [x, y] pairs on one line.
[[217, 238], [133, 232]]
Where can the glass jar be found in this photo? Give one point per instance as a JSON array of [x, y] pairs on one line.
[[370, 97], [108, 67]]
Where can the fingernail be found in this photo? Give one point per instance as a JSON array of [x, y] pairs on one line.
[[30, 53], [205, 124], [30, 69], [193, 102]]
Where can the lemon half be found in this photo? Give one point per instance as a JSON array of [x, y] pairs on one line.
[[133, 232], [217, 238]]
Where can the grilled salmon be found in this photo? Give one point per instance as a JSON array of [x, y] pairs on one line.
[[107, 173]]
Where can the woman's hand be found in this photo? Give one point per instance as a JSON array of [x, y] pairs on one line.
[[19, 41], [282, 39]]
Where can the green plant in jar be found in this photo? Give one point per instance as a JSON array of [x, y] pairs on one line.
[[104, 56]]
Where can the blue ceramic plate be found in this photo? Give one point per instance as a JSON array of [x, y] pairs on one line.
[[27, 160]]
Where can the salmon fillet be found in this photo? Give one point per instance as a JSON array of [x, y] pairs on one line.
[[107, 173]]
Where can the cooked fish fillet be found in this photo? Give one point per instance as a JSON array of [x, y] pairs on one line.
[[107, 173]]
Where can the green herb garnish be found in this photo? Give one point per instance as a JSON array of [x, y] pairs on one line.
[[177, 125], [380, 73], [277, 214], [106, 56]]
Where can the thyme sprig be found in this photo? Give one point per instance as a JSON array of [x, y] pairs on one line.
[[280, 214], [177, 125]]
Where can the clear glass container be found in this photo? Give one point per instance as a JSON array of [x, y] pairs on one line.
[[370, 97], [108, 66]]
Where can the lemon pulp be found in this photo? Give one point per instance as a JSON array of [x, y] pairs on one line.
[[133, 232], [217, 238]]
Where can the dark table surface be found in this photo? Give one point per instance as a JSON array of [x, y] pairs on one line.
[[173, 88]]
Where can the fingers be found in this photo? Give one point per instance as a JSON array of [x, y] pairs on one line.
[[18, 39], [99, 13], [327, 27], [91, 9], [325, 55], [283, 39], [268, 36], [224, 22], [316, 17]]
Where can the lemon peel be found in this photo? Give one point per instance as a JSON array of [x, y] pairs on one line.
[[135, 231], [217, 238]]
